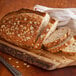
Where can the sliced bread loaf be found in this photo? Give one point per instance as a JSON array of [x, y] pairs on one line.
[[23, 27], [57, 37], [62, 45]]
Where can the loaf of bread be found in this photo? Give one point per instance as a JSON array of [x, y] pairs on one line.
[[26, 28]]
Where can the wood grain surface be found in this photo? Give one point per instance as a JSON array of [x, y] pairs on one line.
[[27, 69]]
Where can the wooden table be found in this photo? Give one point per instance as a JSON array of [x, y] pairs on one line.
[[26, 69]]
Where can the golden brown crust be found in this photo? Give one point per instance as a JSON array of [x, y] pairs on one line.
[[23, 11]]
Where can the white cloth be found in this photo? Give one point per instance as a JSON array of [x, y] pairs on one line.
[[66, 16]]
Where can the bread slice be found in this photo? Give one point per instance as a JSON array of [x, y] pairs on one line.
[[23, 27], [46, 32], [40, 58], [70, 49], [57, 37], [62, 45]]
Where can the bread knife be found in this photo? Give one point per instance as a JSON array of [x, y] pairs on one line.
[[10, 67]]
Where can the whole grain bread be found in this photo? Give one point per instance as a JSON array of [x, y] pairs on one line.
[[23, 27]]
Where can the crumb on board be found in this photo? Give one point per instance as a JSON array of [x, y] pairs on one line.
[[13, 65], [17, 62], [17, 66], [25, 64], [28, 66], [9, 58]]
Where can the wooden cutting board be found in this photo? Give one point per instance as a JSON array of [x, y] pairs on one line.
[[25, 68], [30, 70]]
